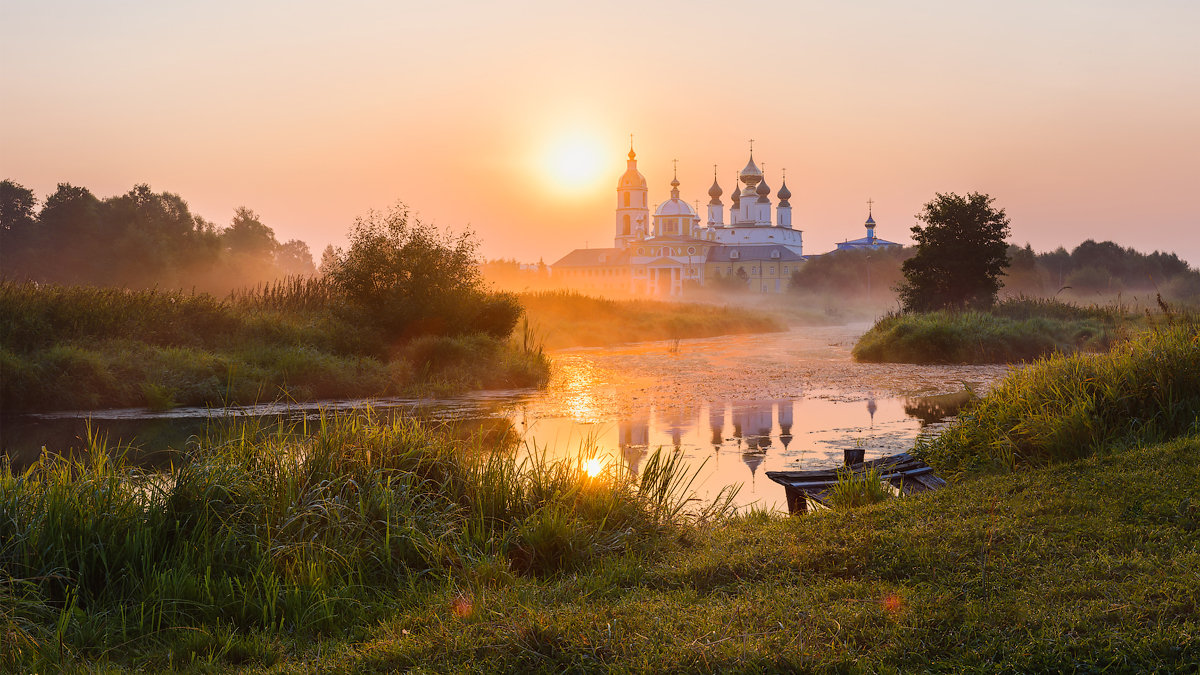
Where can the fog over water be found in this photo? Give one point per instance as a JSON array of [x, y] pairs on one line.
[[735, 406]]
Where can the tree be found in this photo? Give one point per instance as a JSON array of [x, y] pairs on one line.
[[17, 224], [294, 259], [961, 252], [410, 278]]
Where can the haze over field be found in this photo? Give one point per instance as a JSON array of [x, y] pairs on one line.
[[1079, 117]]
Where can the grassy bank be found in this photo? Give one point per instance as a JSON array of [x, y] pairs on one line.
[[375, 552], [381, 547], [85, 347], [1014, 330], [569, 319], [256, 538], [1144, 390]]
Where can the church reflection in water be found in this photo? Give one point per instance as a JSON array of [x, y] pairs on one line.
[[757, 435]]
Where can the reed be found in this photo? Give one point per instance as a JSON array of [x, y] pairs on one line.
[[296, 529], [1144, 390], [86, 347]]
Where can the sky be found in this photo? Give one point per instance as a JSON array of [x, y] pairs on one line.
[[512, 119]]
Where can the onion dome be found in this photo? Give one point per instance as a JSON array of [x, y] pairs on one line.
[[870, 221], [751, 174], [632, 178], [751, 168], [736, 196], [675, 206], [784, 195], [764, 193], [715, 191]]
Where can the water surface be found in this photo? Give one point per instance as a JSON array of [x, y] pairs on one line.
[[735, 406]]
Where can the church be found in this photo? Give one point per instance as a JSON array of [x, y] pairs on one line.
[[758, 248]]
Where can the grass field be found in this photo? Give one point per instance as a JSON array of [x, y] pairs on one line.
[[569, 319]]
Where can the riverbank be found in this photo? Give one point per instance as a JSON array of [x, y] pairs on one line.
[[377, 547], [1088, 564], [1016, 330], [84, 348], [564, 319]]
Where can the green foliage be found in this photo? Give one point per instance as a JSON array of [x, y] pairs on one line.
[[141, 239], [281, 532], [1021, 329], [961, 252], [859, 488], [84, 347], [411, 278], [1145, 390]]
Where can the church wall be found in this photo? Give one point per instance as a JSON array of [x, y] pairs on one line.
[[762, 276]]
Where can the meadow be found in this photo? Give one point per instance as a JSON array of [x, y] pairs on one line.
[[367, 545]]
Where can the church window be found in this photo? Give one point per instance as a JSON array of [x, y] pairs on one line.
[[772, 270], [625, 225], [626, 199], [691, 250], [785, 269]]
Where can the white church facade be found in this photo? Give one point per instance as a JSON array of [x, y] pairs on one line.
[[660, 253]]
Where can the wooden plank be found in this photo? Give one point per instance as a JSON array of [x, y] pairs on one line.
[[904, 472]]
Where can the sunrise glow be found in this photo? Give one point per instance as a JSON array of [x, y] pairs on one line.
[[575, 163]]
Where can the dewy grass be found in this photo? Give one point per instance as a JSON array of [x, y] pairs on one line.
[[1143, 391], [281, 531]]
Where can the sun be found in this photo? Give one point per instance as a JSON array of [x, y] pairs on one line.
[[575, 162], [594, 467]]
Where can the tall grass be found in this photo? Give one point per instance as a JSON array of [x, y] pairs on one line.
[[1022, 329], [858, 488], [570, 319], [296, 530], [1065, 407], [84, 347]]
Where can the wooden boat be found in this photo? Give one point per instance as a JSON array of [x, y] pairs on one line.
[[905, 473]]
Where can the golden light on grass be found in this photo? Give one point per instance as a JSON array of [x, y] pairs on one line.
[[594, 467]]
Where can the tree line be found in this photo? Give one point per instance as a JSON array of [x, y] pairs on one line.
[[962, 260], [140, 239]]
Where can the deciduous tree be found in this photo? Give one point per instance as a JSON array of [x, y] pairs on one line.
[[961, 251]]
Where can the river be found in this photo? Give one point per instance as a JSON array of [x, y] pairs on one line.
[[735, 406]]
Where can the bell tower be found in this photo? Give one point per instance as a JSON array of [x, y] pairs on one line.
[[633, 207]]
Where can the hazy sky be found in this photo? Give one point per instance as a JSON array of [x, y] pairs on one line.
[[1081, 118]]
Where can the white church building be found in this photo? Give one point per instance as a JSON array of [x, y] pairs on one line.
[[657, 254]]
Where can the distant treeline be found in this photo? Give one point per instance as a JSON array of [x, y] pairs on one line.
[[140, 239], [1091, 270]]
